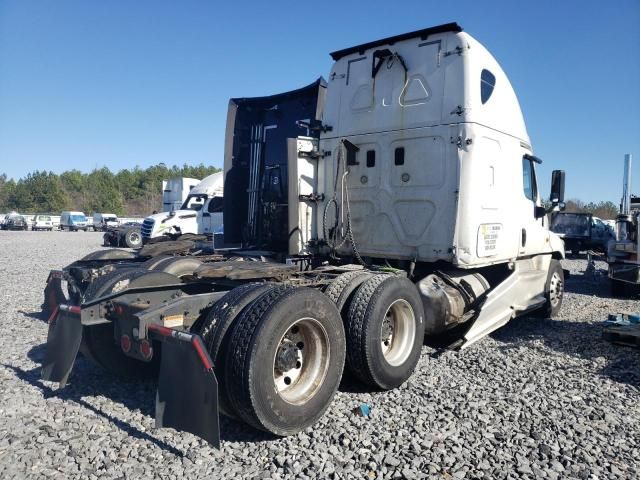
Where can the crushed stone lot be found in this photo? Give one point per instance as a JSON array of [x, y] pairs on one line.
[[536, 399]]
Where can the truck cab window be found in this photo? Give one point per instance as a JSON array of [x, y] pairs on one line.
[[215, 205], [194, 202], [487, 84], [529, 179]]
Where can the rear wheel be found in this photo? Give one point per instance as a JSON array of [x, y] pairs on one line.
[[215, 327], [385, 330], [109, 255], [133, 238], [286, 356], [342, 289], [178, 266], [99, 342]]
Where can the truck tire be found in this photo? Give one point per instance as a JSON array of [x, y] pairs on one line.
[[385, 331], [214, 326], [553, 290], [98, 342], [286, 357], [178, 266], [342, 289], [132, 238]]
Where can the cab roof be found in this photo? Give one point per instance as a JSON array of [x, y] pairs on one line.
[[423, 34]]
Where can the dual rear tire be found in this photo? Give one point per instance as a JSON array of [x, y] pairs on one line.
[[279, 354], [384, 326]]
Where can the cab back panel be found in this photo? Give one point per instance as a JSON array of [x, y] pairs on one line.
[[256, 185], [402, 197]]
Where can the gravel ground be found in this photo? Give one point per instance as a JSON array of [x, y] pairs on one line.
[[537, 399]]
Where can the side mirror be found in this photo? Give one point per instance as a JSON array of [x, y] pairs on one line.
[[539, 212], [557, 187]]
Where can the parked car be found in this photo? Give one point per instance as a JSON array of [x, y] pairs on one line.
[[15, 222], [73, 221], [42, 222], [102, 221]]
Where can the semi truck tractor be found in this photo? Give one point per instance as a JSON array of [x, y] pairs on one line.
[[200, 213], [395, 200], [175, 192]]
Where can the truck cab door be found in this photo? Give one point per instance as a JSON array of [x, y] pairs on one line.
[[533, 235], [211, 219]]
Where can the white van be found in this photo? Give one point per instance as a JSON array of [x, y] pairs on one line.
[[73, 221], [41, 222], [102, 221]]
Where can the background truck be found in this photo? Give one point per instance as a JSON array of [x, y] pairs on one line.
[[581, 231], [175, 191], [622, 256], [104, 221], [372, 209], [200, 213]]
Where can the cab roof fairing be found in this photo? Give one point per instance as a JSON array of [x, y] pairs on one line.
[[501, 111]]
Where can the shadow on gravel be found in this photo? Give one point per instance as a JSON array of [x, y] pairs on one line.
[[38, 315], [134, 394], [579, 339], [593, 285], [74, 393]]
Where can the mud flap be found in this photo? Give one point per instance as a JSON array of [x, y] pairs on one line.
[[187, 396], [53, 294], [63, 343]]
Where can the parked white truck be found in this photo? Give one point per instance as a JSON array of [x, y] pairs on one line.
[[175, 192], [200, 213], [410, 205]]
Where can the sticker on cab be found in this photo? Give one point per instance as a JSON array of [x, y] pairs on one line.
[[489, 235]]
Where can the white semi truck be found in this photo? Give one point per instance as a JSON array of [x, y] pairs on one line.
[[200, 213], [175, 192], [398, 199]]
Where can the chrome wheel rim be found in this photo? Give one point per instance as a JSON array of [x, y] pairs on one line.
[[398, 332], [556, 289], [301, 361], [135, 238]]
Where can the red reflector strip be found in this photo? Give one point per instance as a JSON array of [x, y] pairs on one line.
[[164, 331], [204, 357], [70, 308], [195, 340], [53, 315]]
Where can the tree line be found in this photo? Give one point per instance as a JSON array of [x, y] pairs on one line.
[[134, 192], [137, 192], [605, 210]]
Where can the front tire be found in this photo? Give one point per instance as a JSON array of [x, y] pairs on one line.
[[385, 331], [553, 290], [286, 356]]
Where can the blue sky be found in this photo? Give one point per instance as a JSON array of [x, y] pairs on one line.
[[88, 83]]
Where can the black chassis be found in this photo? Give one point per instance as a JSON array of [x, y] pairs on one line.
[[187, 396], [185, 363]]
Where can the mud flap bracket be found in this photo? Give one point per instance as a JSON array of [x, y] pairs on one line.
[[187, 396]]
